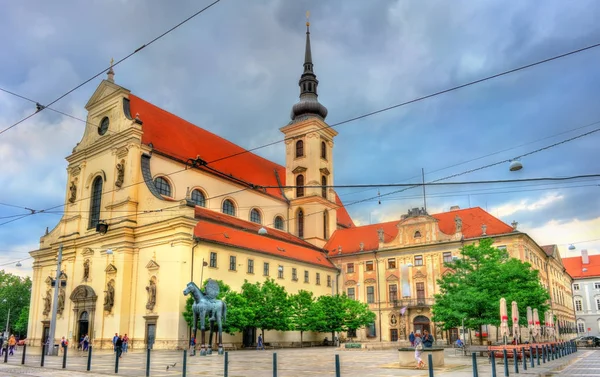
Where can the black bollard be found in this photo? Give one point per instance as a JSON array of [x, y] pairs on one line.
[[23, 356], [493, 361], [226, 365], [505, 363], [516, 355], [64, 366], [537, 354], [430, 364], [116, 362], [524, 358], [338, 372], [43, 354], [531, 356], [89, 363], [184, 370], [5, 354], [575, 346], [544, 353], [474, 358], [274, 364], [148, 362]]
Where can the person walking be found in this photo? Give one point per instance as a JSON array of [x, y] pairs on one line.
[[125, 343], [86, 342], [4, 346], [260, 345], [12, 343], [119, 346], [418, 351], [115, 338], [411, 338]]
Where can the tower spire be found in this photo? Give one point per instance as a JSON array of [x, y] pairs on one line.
[[111, 74], [309, 104]]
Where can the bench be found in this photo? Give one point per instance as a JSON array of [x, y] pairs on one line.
[[272, 345], [229, 347]]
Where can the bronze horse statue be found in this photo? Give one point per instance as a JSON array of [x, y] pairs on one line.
[[207, 304]]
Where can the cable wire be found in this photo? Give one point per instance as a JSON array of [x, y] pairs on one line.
[[41, 108]]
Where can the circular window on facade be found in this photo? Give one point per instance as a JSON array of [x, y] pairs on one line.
[[103, 126]]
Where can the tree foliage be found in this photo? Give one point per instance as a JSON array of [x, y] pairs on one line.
[[478, 279], [340, 313], [15, 294], [357, 314], [269, 304], [303, 316]]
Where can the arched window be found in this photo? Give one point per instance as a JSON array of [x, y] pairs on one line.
[[228, 207], [279, 222], [299, 148], [326, 224], [300, 222], [255, 216], [324, 150], [95, 202], [198, 198], [163, 186], [299, 186], [324, 186], [417, 234]]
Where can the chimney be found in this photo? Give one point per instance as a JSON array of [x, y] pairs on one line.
[[585, 259], [454, 208]]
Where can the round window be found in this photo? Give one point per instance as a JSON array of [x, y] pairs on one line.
[[103, 126]]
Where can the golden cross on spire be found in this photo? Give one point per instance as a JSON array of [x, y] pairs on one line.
[[112, 61], [307, 17]]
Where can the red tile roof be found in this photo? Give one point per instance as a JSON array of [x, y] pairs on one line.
[[575, 267], [343, 217], [472, 220], [243, 234], [182, 140], [234, 222]]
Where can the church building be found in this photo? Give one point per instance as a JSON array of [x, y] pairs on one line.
[[153, 202]]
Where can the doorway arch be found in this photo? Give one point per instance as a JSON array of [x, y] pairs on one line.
[[421, 323], [84, 307]]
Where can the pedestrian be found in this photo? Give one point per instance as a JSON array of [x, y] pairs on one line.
[[411, 337], [12, 343], [427, 339], [86, 342], [418, 350], [119, 346], [125, 343], [115, 338], [260, 345], [4, 346], [64, 343]]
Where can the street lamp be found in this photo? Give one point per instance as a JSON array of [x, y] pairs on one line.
[[7, 320], [515, 165]]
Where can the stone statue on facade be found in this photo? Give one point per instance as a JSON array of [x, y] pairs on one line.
[[86, 270], [380, 234], [109, 296], [151, 288], [120, 173], [458, 224], [73, 192], [402, 327], [61, 301], [47, 303]]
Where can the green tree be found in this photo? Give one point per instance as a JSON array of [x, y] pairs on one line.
[[303, 316], [15, 293], [329, 314], [269, 304], [357, 314], [478, 279]]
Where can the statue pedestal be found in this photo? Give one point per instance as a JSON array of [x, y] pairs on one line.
[[407, 357]]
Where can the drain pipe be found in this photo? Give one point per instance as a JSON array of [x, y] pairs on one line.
[[378, 293]]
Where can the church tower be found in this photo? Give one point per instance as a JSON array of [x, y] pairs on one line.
[[309, 161]]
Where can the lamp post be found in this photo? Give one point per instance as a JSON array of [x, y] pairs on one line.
[[55, 303], [7, 320]]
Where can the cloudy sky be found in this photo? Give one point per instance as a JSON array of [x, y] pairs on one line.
[[234, 70]]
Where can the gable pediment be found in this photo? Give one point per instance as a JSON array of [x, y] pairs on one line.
[[392, 277], [152, 265], [111, 269], [105, 90], [324, 171], [370, 281], [350, 282], [419, 275], [299, 169]]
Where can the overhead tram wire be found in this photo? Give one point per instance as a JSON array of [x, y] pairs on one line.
[[112, 65], [363, 200], [418, 99]]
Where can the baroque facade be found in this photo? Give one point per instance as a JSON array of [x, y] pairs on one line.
[[585, 271], [174, 200], [394, 267]]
